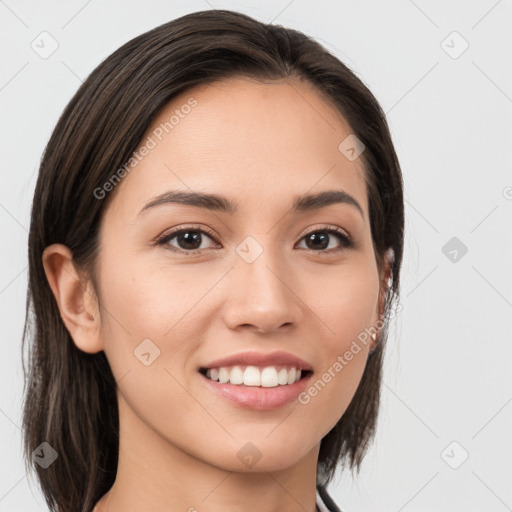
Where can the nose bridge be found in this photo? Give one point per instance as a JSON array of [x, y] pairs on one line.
[[263, 297]]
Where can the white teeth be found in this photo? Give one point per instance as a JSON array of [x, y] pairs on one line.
[[223, 375], [252, 376], [268, 377], [282, 377], [237, 375]]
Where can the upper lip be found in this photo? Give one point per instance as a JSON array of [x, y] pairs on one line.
[[260, 359]]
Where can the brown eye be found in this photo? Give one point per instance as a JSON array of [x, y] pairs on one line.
[[320, 240], [188, 240]]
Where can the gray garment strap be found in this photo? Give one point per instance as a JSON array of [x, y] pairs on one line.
[[324, 501]]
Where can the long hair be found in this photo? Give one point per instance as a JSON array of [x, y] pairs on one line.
[[70, 396]]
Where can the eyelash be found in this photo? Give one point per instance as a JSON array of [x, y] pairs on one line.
[[346, 241]]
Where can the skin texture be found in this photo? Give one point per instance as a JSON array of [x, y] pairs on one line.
[[260, 145]]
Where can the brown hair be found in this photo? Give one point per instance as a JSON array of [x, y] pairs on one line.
[[70, 396]]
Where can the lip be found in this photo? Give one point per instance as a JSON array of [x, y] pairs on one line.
[[261, 359], [257, 397]]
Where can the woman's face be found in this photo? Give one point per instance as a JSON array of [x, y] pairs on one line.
[[263, 279]]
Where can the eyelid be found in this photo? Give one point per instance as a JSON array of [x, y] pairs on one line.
[[324, 227], [348, 240], [184, 227]]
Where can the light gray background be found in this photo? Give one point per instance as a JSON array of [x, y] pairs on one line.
[[447, 374]]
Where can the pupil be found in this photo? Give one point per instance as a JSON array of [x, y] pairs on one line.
[[187, 238], [321, 238]]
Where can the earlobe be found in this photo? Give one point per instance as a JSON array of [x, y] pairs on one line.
[[75, 298]]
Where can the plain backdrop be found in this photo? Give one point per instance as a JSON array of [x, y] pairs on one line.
[[442, 73]]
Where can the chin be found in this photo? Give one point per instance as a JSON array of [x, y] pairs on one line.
[[259, 456]]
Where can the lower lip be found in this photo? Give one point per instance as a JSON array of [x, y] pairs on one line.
[[257, 397]]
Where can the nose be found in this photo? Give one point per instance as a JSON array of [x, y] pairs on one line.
[[260, 296]]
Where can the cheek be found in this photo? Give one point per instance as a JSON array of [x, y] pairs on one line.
[[144, 302], [333, 386], [147, 298], [345, 309], [151, 331], [344, 302]]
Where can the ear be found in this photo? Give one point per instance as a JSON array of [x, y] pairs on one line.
[[385, 282], [75, 298]]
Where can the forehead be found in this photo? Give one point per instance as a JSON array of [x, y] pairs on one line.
[[246, 139]]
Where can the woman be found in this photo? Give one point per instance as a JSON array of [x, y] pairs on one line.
[[215, 249]]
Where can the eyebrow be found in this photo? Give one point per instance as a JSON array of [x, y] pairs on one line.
[[220, 203]]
